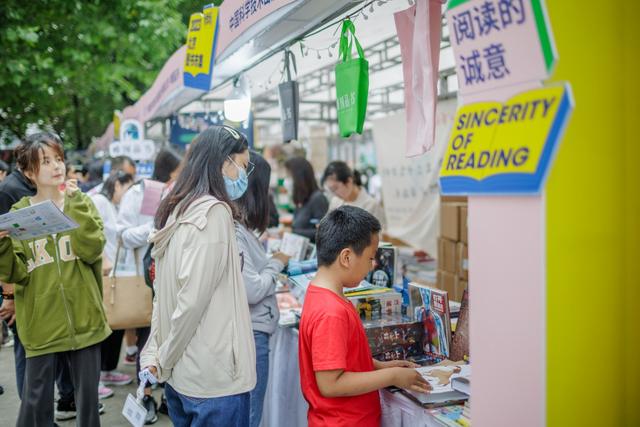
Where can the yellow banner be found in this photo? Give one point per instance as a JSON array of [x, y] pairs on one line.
[[493, 139], [202, 30]]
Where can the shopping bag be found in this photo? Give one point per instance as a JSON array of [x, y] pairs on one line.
[[289, 97], [352, 83], [419, 33], [127, 300]]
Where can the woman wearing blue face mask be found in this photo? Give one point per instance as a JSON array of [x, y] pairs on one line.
[[201, 342]]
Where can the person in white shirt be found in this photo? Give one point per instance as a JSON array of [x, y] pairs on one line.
[[341, 181], [134, 229], [107, 202]]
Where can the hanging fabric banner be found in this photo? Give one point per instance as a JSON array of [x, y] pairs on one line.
[[419, 32], [352, 83], [289, 97]]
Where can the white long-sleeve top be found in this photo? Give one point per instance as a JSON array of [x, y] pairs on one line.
[[109, 213], [133, 228]]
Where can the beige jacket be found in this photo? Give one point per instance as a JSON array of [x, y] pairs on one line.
[[201, 338]]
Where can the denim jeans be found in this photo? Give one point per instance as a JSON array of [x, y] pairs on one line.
[[227, 411], [20, 360], [262, 371]]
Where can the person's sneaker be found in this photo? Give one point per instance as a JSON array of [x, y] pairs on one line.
[[115, 378], [104, 392], [164, 408], [1, 390], [151, 406], [65, 410], [130, 359]]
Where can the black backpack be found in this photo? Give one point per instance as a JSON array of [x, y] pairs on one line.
[[149, 267]]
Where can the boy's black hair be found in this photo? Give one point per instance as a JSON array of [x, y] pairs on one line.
[[345, 227], [4, 167]]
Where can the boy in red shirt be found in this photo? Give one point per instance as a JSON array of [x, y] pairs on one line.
[[340, 380]]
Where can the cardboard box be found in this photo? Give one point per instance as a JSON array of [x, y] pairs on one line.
[[464, 230], [451, 283], [454, 199], [447, 255], [450, 221], [462, 261]]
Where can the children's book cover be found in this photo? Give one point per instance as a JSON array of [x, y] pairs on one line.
[[432, 311]]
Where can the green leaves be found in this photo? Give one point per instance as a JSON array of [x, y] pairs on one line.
[[104, 53]]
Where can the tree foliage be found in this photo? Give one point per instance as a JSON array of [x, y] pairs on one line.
[[69, 63]]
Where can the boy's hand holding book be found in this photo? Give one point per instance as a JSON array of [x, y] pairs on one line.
[[410, 379]]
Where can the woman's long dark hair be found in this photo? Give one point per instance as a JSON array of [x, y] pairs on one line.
[[304, 179], [254, 203], [109, 186], [202, 171]]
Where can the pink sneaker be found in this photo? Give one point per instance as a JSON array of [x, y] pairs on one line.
[[104, 392], [115, 378]]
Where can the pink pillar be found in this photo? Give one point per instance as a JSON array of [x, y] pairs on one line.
[[508, 306]]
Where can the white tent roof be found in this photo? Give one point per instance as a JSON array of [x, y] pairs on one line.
[[378, 27]]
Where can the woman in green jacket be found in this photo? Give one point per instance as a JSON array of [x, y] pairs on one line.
[[58, 292]]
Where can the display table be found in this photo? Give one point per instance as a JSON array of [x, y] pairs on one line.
[[284, 405], [398, 410]]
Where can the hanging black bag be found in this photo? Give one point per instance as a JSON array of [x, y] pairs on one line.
[[289, 96]]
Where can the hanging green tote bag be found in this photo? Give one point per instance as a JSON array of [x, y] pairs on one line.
[[352, 83]]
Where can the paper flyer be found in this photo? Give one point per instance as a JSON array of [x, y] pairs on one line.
[[152, 197], [35, 221]]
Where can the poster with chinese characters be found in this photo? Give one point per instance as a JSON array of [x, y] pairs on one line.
[[36, 221], [201, 46], [498, 43], [410, 191]]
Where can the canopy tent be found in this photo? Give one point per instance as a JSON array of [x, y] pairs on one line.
[[241, 43], [315, 71], [165, 96]]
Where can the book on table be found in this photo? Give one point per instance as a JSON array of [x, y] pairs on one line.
[[460, 340], [440, 377], [295, 246], [430, 306], [462, 384], [386, 271]]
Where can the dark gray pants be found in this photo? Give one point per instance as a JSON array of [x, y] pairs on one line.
[[36, 409]]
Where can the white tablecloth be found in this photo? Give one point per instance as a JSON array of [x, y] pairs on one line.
[[284, 405]]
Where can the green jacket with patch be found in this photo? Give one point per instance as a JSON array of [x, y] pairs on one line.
[[58, 292]]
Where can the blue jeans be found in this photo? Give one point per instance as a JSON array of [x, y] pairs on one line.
[[262, 371], [227, 411], [19, 357]]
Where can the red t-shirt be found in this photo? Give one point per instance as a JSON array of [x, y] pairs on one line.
[[332, 337]]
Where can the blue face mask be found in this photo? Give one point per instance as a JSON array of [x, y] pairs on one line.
[[236, 187]]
